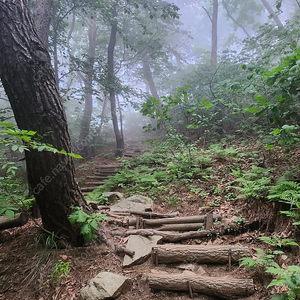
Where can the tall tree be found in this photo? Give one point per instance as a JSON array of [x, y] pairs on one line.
[[111, 82], [28, 78], [272, 13], [88, 80], [214, 36], [213, 17]]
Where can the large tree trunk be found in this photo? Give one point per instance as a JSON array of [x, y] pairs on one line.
[[28, 78], [214, 45], [112, 82], [42, 19], [272, 13], [88, 104]]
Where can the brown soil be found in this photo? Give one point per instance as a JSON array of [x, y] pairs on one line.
[[25, 265]]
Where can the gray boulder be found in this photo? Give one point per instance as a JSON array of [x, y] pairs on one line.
[[106, 285], [134, 203]]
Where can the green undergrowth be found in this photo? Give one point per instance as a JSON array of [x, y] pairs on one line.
[[175, 170]]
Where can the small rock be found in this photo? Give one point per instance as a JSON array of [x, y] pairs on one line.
[[200, 271], [134, 203], [113, 196], [142, 247], [106, 285], [188, 267], [284, 257]]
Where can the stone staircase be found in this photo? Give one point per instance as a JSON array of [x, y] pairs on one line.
[[100, 173]]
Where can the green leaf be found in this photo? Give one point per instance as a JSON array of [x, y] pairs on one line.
[[254, 110], [41, 148], [207, 104], [81, 216], [9, 213], [75, 155], [276, 131], [14, 147], [94, 224], [277, 282]]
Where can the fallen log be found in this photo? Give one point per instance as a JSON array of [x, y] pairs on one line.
[[181, 227], [169, 236], [174, 220], [166, 254], [19, 219], [224, 287]]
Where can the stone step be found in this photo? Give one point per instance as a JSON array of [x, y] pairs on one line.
[[105, 172], [109, 166], [97, 177], [104, 176], [94, 183], [88, 188]]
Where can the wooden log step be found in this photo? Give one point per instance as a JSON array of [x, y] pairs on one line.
[[110, 167], [173, 253], [178, 220], [94, 183], [181, 227], [224, 287], [88, 188], [170, 236], [103, 173], [98, 173], [19, 219], [96, 177]]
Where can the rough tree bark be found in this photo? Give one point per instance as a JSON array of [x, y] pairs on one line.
[[88, 81], [42, 19], [272, 13], [28, 78], [112, 82]]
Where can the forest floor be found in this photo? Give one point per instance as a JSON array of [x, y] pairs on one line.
[[25, 265]]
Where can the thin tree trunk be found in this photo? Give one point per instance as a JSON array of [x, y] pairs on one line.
[[272, 13], [28, 78], [150, 84], [111, 84], [103, 113], [233, 19], [42, 19], [214, 46], [148, 76], [88, 108]]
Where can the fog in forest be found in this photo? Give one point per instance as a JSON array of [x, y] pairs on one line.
[[159, 49]]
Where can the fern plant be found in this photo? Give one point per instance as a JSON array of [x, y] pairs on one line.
[[276, 241], [255, 183], [288, 192], [288, 278], [263, 260]]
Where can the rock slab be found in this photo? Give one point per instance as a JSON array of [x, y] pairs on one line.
[[106, 285], [134, 203], [142, 247]]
